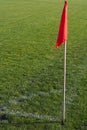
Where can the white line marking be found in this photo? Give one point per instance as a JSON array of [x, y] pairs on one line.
[[33, 95], [31, 115], [70, 97]]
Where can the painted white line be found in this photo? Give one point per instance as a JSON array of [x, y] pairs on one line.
[[15, 100], [31, 115], [70, 97]]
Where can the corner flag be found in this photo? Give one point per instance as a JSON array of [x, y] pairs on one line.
[[62, 38]]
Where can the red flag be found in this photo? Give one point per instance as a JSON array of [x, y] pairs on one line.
[[63, 29]]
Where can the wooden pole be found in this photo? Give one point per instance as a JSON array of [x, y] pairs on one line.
[[64, 88]]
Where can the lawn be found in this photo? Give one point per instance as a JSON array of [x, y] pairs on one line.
[[31, 69]]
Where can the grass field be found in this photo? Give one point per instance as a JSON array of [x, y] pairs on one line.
[[31, 69]]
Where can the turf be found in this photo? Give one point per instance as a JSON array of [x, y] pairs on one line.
[[31, 69]]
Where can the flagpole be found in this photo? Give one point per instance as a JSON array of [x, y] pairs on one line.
[[62, 37], [64, 88]]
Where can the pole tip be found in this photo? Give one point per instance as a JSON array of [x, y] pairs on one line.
[[66, 1]]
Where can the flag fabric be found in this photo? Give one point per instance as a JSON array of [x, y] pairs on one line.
[[63, 29]]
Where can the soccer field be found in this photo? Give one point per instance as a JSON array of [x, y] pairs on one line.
[[31, 69]]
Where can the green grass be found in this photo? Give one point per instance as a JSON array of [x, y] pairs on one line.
[[31, 69]]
